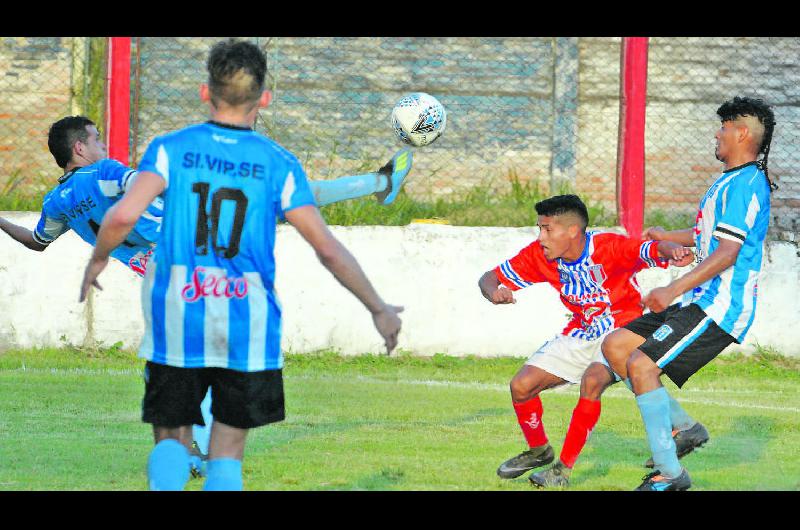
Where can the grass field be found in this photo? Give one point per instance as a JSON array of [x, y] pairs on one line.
[[69, 420]]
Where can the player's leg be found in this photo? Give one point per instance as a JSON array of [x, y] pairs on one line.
[[384, 183], [559, 361], [685, 343], [687, 433], [242, 401], [171, 404], [201, 437]]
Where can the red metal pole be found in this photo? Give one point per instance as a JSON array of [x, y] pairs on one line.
[[118, 98], [630, 155]]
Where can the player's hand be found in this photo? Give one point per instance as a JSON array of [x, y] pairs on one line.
[[93, 270], [681, 257], [655, 233], [658, 299], [503, 295], [388, 325]]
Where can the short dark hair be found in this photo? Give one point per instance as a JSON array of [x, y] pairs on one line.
[[561, 204], [62, 137], [745, 106], [236, 72]]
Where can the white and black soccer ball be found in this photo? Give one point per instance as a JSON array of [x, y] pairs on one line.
[[418, 119]]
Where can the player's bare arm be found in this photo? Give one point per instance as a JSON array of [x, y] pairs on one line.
[[494, 291], [678, 255], [337, 259], [118, 223], [683, 237], [721, 259], [21, 235]]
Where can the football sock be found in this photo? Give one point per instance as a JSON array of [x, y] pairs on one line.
[[344, 188], [529, 416], [201, 434], [678, 417], [654, 407], [224, 474], [168, 466], [584, 418]]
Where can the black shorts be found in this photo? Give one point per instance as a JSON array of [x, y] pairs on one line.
[[244, 400], [680, 340]]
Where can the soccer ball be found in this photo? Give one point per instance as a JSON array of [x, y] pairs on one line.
[[418, 119]]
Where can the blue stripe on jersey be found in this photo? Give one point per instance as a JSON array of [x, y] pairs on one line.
[[157, 310], [512, 275]]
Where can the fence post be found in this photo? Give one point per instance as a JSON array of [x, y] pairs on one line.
[[630, 150], [118, 98]]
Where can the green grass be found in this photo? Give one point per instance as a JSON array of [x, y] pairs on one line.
[[70, 420]]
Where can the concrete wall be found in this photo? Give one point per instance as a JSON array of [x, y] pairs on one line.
[[432, 270]]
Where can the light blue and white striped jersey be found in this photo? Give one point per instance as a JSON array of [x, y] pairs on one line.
[[82, 198], [736, 208], [208, 295]]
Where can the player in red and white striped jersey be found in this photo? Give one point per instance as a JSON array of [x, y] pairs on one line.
[[595, 274]]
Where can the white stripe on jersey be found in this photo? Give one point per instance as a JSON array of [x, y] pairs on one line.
[[722, 298], [174, 306], [259, 308], [747, 305], [752, 209], [147, 309], [109, 188], [215, 325], [288, 191], [162, 165]]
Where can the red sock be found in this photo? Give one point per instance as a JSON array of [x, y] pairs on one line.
[[529, 416], [584, 418]]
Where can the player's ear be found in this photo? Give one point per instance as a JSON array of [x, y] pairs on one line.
[[265, 99], [205, 93]]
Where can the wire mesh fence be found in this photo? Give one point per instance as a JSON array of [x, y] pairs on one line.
[[43, 79], [538, 111], [688, 79]]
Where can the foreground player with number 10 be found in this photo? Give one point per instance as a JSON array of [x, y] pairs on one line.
[[224, 331]]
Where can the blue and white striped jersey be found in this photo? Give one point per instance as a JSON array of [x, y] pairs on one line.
[[81, 200], [208, 296], [736, 208]]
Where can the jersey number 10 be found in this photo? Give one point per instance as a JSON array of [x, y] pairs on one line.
[[202, 232]]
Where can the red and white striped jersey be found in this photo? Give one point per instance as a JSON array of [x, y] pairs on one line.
[[599, 288]]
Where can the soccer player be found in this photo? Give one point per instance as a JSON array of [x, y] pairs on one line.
[[595, 274], [92, 183], [718, 296], [211, 315]]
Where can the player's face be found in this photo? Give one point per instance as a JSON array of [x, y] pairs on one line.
[[554, 236], [93, 149], [726, 140]]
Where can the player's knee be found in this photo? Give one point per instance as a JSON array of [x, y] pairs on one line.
[[595, 380], [521, 389], [640, 366]]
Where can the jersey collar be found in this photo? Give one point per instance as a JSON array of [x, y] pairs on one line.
[[737, 168], [229, 126], [65, 177], [583, 255]]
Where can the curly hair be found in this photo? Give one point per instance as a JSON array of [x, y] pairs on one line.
[[561, 204], [236, 72], [740, 107], [62, 137]]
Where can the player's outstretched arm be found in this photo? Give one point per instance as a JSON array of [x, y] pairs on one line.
[[337, 259], [118, 223], [683, 237], [494, 291], [21, 235], [723, 257]]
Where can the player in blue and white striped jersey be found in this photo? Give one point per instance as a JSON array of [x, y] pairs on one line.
[[719, 294], [211, 313]]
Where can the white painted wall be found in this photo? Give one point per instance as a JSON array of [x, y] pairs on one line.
[[430, 269]]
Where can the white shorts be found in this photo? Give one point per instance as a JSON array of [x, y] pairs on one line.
[[568, 357]]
